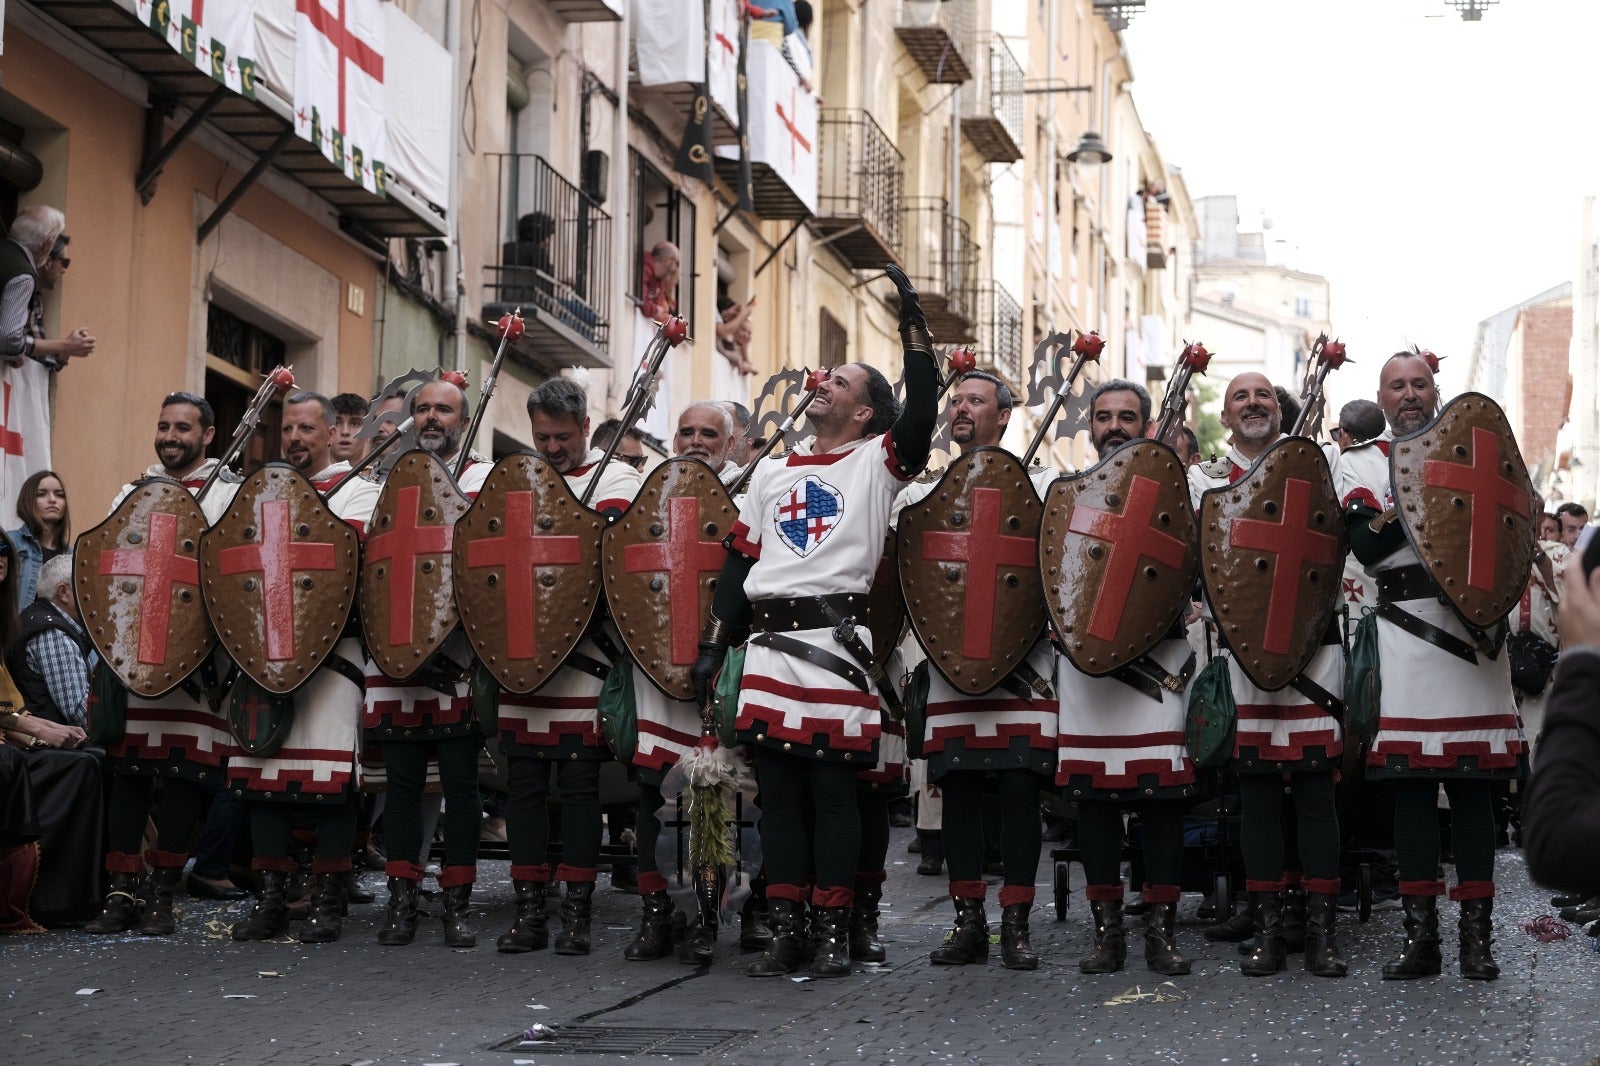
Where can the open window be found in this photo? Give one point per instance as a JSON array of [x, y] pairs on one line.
[[238, 355], [662, 213]]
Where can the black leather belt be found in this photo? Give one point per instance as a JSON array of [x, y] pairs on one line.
[[1443, 640], [834, 664], [806, 612], [1152, 679], [1319, 695], [1415, 583], [1407, 583]]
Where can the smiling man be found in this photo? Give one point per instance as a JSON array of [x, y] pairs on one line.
[[706, 432]]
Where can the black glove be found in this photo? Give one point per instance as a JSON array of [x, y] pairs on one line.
[[913, 324], [703, 674]]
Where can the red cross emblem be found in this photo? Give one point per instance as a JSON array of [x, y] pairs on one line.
[[277, 558], [1293, 544], [1132, 539], [404, 546], [520, 551], [683, 556], [1487, 491], [350, 49], [11, 442], [984, 550], [161, 567], [796, 138]]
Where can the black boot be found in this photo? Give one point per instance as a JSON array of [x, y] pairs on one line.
[[1238, 929], [655, 930], [402, 925], [1294, 919], [1161, 952], [457, 933], [1110, 942], [1015, 951], [1419, 955], [1477, 933], [754, 932], [831, 935], [528, 931], [327, 909], [864, 943], [354, 892], [786, 951], [700, 942], [1270, 953], [577, 907], [1323, 955], [270, 916], [968, 942], [158, 917], [121, 911]]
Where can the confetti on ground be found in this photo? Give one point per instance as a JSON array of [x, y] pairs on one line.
[[268, 973], [1165, 992], [238, 995], [1546, 929], [86, 991]]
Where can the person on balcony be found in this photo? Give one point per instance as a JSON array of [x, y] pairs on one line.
[[658, 296]]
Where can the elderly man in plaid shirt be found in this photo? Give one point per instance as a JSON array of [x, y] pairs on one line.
[[51, 658]]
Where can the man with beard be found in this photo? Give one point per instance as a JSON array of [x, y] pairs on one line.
[[706, 432], [559, 724], [1122, 747], [178, 738], [430, 718], [743, 445], [1006, 735], [314, 770], [1445, 716], [1284, 739], [803, 554]]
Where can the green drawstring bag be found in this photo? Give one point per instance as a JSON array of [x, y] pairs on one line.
[[619, 714], [108, 706], [915, 701], [1208, 729], [725, 695], [1362, 685]]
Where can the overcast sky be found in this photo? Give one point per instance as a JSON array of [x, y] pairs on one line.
[[1430, 168]]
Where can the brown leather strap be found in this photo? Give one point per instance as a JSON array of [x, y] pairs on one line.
[[787, 645]]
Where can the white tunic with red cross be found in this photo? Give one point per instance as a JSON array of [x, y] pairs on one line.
[[814, 524], [319, 759], [564, 712], [396, 712], [1000, 729], [1282, 730], [1438, 714], [178, 734]]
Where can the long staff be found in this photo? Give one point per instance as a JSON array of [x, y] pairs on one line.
[[281, 379], [1194, 360], [1087, 348], [511, 328], [670, 334], [1328, 355]]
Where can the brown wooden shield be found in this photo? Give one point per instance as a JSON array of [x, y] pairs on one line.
[[278, 573], [1117, 555], [408, 604], [1466, 502], [527, 570], [886, 607], [969, 569], [137, 575], [661, 561], [1271, 558]]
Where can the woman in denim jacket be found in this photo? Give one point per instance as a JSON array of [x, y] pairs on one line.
[[45, 531]]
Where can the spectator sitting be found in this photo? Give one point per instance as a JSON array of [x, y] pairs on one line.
[[528, 268], [45, 533], [658, 297], [50, 659]]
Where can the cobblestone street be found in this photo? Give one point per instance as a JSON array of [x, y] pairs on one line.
[[200, 998]]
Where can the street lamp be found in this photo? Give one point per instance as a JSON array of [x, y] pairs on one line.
[[1090, 151]]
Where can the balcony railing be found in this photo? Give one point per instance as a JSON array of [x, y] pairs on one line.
[[942, 262], [555, 262], [860, 189], [939, 35], [992, 116], [1000, 333]]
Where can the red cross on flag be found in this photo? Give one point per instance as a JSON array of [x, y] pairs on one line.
[[783, 122], [24, 431], [338, 85]]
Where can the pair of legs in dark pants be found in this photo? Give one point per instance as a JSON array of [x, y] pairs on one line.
[[333, 820], [1100, 839], [528, 818], [1020, 832], [810, 827], [1472, 833], [1262, 832], [178, 814], [407, 763]]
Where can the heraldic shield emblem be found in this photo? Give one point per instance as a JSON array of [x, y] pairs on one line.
[[1271, 560], [278, 573], [137, 575], [969, 569], [527, 571], [408, 604], [661, 561], [1117, 555], [1466, 503]]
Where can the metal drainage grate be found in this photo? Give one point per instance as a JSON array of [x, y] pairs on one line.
[[627, 1040]]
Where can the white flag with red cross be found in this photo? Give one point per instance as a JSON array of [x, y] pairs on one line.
[[24, 432], [338, 85]]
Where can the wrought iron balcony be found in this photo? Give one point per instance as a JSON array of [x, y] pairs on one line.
[[991, 115], [939, 35], [860, 189], [555, 264], [942, 262], [1000, 333]]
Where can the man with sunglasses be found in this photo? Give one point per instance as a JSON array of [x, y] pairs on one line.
[[630, 451], [55, 353]]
